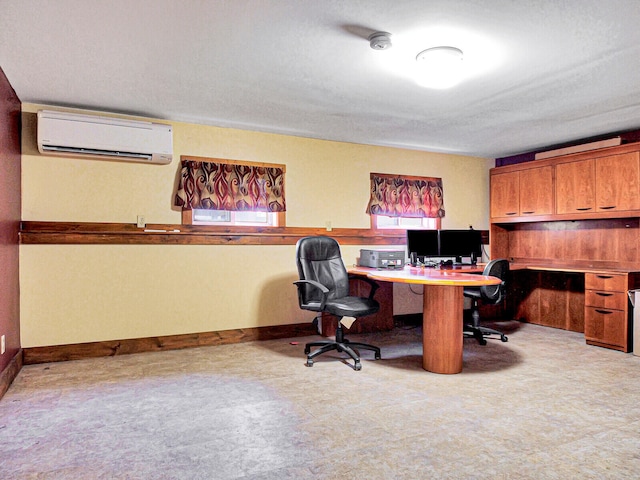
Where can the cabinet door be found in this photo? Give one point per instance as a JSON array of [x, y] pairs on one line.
[[617, 182], [505, 194], [575, 187], [606, 326], [536, 191]]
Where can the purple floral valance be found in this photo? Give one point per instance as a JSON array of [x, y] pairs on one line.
[[405, 196], [217, 185]]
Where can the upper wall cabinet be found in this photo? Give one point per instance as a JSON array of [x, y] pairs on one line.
[[528, 192], [575, 187], [618, 182], [597, 184]]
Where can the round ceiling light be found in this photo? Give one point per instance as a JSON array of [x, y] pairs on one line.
[[439, 67]]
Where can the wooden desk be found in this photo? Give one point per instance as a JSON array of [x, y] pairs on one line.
[[442, 335]]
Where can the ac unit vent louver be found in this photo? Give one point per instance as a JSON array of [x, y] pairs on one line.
[[93, 136]]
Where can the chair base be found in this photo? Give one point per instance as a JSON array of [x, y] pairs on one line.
[[343, 346], [479, 333]]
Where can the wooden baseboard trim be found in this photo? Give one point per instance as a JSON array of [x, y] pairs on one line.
[[79, 351], [9, 374]]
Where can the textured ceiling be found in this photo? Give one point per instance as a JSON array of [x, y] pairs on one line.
[[540, 73]]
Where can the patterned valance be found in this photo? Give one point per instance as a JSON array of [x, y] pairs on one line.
[[403, 196], [230, 186]]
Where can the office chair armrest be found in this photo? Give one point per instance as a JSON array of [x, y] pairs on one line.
[[374, 285], [319, 286]]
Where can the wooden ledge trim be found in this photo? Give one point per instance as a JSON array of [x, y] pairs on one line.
[[177, 234], [79, 351]]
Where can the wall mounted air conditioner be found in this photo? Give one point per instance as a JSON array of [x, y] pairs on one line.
[[92, 136]]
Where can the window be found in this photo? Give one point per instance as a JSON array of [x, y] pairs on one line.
[[213, 191], [404, 223], [227, 217], [404, 202]]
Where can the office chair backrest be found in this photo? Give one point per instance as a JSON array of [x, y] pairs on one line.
[[318, 258], [496, 268]]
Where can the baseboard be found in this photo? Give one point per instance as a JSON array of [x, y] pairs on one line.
[[110, 348], [9, 374]]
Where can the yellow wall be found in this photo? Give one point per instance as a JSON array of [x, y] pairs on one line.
[[84, 293]]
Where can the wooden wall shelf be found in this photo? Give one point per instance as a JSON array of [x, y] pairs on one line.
[[86, 233]]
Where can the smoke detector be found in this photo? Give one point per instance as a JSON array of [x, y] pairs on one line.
[[380, 40]]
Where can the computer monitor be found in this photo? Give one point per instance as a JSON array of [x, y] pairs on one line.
[[423, 242], [460, 243]]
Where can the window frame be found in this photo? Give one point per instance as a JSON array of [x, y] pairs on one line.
[[374, 224], [281, 218]]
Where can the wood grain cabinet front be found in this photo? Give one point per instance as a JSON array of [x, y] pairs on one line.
[[528, 192], [575, 187], [618, 182], [607, 317]]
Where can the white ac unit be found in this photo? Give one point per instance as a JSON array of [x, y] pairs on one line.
[[92, 136]]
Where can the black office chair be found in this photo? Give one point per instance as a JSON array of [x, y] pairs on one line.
[[489, 294], [324, 287]]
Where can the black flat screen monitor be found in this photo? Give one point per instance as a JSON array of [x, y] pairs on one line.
[[460, 243], [423, 242]]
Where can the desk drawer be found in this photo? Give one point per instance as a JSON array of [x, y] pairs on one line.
[[606, 326], [606, 281], [606, 300]]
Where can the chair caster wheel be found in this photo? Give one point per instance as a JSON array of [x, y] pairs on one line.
[[482, 342], [377, 357], [357, 366], [309, 363], [504, 338], [307, 350]]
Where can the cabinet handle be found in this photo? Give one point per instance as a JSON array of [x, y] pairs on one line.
[[607, 208], [603, 294], [511, 213], [529, 213], [604, 276], [604, 312], [583, 209]]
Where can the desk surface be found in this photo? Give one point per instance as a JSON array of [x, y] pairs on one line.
[[465, 276]]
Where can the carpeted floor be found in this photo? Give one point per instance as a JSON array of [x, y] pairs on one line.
[[542, 406]]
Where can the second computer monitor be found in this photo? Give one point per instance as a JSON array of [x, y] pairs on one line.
[[460, 243]]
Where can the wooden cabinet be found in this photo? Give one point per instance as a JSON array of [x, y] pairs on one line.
[[586, 185], [618, 182], [575, 187], [609, 183], [524, 193], [607, 316], [553, 299], [505, 194], [536, 191]]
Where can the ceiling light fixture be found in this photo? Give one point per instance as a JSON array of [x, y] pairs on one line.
[[439, 67]]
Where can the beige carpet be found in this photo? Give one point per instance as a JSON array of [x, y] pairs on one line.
[[542, 406]]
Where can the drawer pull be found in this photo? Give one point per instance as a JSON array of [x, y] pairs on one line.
[[583, 209], [607, 207], [529, 213], [511, 213], [604, 276], [604, 312], [603, 294]]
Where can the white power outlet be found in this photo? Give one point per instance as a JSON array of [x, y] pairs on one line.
[[141, 221], [3, 345]]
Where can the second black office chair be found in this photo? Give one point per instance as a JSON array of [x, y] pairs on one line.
[[490, 294], [324, 287]]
